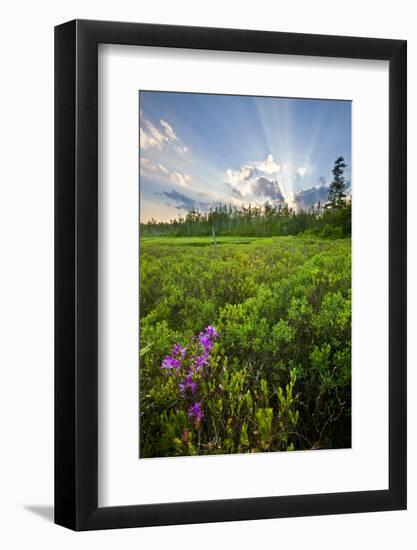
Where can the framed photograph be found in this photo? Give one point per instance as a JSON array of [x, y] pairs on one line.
[[230, 284]]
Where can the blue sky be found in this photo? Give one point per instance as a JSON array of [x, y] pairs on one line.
[[197, 150]]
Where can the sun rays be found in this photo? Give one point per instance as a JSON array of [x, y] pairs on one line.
[[240, 150]]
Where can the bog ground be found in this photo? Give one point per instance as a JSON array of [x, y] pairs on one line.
[[274, 375]]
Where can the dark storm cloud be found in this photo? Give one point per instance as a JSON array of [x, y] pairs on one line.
[[263, 187], [184, 202], [310, 197], [236, 193]]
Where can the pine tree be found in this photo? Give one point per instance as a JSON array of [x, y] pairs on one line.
[[337, 195]]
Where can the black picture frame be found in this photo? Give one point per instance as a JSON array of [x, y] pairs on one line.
[[76, 272]]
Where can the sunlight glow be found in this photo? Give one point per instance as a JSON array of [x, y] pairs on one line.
[[237, 150]]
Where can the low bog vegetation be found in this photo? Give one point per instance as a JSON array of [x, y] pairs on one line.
[[244, 346]]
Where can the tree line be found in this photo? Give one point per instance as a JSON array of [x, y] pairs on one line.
[[331, 220]]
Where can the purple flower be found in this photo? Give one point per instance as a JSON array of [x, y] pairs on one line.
[[195, 413], [205, 341], [201, 361], [170, 363], [178, 350], [188, 383], [211, 331], [206, 338]]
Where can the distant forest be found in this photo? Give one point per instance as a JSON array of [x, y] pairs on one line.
[[330, 220]]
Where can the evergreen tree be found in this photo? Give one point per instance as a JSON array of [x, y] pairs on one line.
[[337, 195]]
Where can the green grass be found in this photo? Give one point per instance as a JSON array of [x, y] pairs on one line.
[[282, 307]]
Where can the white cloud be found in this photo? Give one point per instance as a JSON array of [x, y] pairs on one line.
[[169, 131], [152, 137], [147, 165], [237, 176], [161, 172], [244, 180], [251, 170], [257, 181], [180, 179], [268, 166], [162, 168], [148, 141]]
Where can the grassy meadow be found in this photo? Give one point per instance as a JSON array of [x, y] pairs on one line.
[[245, 345]]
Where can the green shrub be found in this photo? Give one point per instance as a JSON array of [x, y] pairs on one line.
[[278, 375]]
